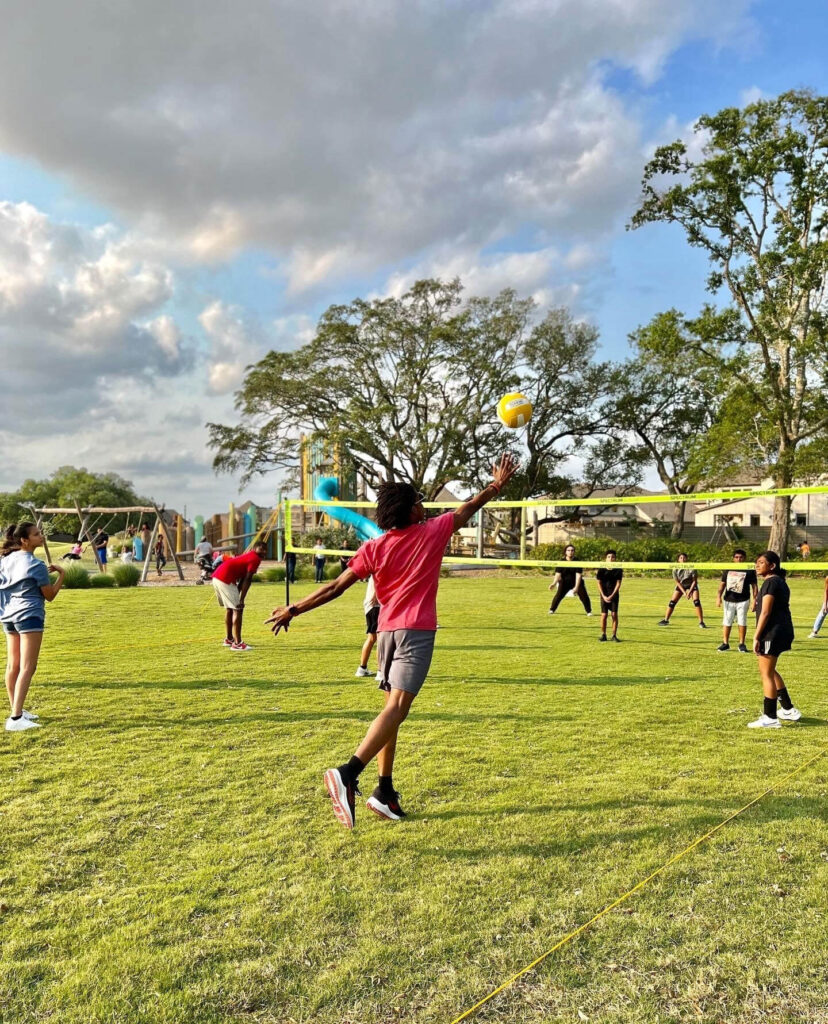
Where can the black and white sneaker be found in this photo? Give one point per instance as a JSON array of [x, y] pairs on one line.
[[615, 639], [723, 647], [343, 794], [384, 806], [703, 625], [664, 622], [743, 649]]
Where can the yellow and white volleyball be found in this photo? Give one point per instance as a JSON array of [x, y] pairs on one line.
[[514, 410]]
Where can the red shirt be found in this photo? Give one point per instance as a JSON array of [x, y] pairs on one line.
[[405, 565], [233, 570]]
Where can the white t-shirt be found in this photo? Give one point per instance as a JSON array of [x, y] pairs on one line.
[[370, 600], [204, 547]]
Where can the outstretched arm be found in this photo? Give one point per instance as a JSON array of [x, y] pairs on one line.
[[502, 473], [280, 618]]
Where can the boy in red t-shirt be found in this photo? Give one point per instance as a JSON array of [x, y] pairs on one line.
[[405, 564], [231, 581]]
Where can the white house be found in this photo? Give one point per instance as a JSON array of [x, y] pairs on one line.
[[806, 510]]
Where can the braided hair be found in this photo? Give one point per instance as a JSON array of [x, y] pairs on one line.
[[394, 505], [14, 534]]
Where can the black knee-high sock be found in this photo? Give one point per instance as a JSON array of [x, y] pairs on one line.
[[784, 698], [770, 707]]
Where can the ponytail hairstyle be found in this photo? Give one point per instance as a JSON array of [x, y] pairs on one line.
[[14, 534], [773, 558]]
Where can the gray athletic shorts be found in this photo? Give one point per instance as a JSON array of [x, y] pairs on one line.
[[404, 658]]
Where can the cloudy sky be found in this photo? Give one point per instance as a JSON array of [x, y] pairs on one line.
[[185, 186]]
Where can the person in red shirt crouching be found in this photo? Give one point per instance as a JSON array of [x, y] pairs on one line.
[[405, 564], [231, 581]]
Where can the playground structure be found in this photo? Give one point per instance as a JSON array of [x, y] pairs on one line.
[[87, 530]]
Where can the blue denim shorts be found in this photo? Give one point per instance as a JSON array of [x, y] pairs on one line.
[[31, 625]]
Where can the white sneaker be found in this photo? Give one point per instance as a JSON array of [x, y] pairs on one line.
[[378, 677], [30, 716], [362, 673], [764, 722], [791, 715], [20, 725], [813, 636]]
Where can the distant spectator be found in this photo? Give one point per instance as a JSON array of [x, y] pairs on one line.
[[160, 553], [101, 541], [805, 549], [231, 581], [290, 566], [127, 557], [75, 552], [146, 537], [319, 560]]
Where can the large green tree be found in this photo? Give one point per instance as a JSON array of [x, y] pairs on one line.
[[407, 387], [668, 401], [65, 486], [752, 193]]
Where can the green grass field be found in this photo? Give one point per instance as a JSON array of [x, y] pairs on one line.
[[168, 852]]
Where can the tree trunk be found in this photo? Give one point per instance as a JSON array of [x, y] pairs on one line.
[[678, 522], [780, 524]]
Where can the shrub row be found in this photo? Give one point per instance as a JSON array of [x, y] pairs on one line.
[[78, 578], [653, 549]]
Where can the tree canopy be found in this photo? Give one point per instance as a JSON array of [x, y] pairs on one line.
[[65, 486], [755, 202], [407, 388]]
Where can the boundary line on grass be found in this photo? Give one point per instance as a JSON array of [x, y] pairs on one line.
[[621, 899]]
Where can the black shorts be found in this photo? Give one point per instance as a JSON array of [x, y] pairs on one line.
[[610, 606], [773, 646], [372, 620]]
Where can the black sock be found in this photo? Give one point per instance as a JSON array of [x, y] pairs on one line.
[[770, 707], [350, 771], [386, 785], [16, 718], [784, 698]]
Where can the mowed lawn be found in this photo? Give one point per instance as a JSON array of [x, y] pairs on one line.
[[168, 852]]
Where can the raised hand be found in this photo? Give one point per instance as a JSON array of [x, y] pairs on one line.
[[503, 471]]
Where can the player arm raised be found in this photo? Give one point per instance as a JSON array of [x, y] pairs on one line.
[[280, 617], [502, 473]]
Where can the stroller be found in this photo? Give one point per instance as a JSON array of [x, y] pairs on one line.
[[205, 563]]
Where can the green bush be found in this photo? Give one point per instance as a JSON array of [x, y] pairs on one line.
[[275, 574], [101, 580], [257, 577], [76, 578], [647, 549], [126, 575]]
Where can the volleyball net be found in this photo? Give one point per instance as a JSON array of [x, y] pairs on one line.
[[503, 533]]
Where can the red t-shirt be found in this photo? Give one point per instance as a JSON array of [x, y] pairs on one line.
[[233, 570], [405, 565]]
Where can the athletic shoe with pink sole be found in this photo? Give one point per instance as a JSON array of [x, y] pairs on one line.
[[241, 647], [343, 796], [385, 806]]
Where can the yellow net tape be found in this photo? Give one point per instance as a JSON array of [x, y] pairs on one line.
[[538, 563]]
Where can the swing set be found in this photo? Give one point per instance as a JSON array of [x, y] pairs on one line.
[[89, 530]]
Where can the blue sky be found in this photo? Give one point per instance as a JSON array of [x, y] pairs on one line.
[[169, 216]]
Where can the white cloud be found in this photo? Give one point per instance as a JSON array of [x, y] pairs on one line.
[[341, 135]]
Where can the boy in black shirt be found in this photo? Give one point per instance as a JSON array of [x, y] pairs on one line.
[[609, 584], [569, 577], [736, 586]]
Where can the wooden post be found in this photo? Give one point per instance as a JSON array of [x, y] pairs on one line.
[[147, 556], [523, 532], [163, 527], [84, 521]]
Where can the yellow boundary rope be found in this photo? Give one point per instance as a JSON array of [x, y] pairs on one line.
[[621, 899]]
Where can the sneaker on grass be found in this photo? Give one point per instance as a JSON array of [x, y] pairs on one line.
[[813, 636], [362, 673], [241, 647], [789, 714], [343, 796], [615, 639], [765, 722], [703, 625], [723, 647], [743, 649], [226, 642], [378, 677], [603, 638], [30, 716], [385, 806], [664, 622], [20, 725]]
